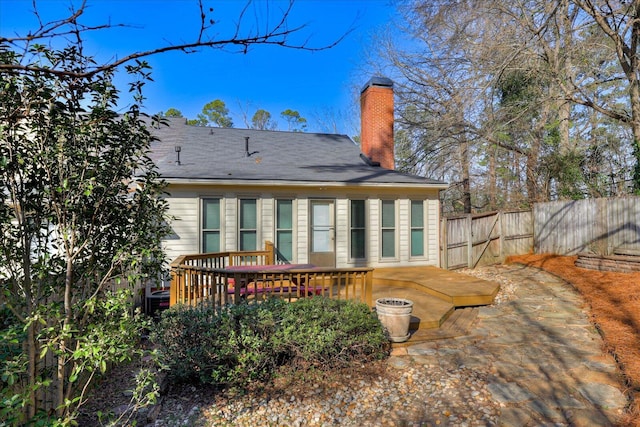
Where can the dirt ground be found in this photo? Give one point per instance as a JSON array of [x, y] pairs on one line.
[[613, 300]]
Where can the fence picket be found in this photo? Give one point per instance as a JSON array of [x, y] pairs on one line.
[[600, 226], [488, 238]]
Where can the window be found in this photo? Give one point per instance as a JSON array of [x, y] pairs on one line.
[[210, 225], [417, 228], [388, 213], [284, 228], [248, 225], [358, 230]]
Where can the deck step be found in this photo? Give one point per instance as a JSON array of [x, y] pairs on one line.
[[454, 288], [429, 312], [458, 324], [445, 302]]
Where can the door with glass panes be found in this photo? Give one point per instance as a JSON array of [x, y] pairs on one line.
[[322, 251]]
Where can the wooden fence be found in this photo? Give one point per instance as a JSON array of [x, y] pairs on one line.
[[484, 239], [605, 226]]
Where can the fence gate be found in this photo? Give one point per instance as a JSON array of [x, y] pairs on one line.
[[485, 239]]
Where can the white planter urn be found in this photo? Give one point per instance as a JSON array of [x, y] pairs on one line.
[[395, 316]]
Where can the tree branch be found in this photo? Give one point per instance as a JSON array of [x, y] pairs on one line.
[[277, 34]]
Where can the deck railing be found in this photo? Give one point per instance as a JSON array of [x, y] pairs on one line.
[[218, 279]]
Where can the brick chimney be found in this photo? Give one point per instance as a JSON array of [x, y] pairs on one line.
[[376, 115]]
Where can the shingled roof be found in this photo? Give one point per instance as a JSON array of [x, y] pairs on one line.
[[219, 154]]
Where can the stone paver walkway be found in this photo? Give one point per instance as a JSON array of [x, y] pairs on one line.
[[542, 359]]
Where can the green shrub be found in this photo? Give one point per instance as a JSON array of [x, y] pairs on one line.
[[244, 343], [228, 347], [325, 333]]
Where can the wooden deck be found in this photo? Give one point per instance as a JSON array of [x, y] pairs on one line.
[[443, 300], [223, 278]]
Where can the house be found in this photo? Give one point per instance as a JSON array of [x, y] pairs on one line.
[[319, 197]]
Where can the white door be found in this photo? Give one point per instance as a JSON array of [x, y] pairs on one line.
[[322, 251]]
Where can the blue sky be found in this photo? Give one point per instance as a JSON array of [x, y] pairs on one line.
[[322, 86]]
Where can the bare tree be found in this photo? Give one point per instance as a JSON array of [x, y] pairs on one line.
[[443, 95], [510, 101], [619, 22]]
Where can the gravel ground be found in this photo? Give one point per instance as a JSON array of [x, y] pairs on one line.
[[391, 400]]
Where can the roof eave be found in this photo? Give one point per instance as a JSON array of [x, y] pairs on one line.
[[304, 184]]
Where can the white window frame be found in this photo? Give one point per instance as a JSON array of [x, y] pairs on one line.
[[394, 228], [239, 222], [363, 228], [423, 228], [278, 229], [201, 220]]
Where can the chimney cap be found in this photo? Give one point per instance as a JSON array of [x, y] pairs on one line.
[[378, 81]]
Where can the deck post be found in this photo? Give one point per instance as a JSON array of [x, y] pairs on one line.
[[177, 280], [270, 248], [173, 289], [368, 288]]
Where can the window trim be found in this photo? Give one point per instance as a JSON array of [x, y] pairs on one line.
[[395, 230], [363, 228], [277, 229], [201, 219], [239, 229], [423, 228]]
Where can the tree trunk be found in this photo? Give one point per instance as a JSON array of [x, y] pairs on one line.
[[493, 188], [32, 353], [562, 63], [635, 125], [466, 178], [531, 173], [564, 120], [32, 349], [62, 372]]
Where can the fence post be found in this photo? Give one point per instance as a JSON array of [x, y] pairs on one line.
[[501, 237], [469, 241], [444, 244]]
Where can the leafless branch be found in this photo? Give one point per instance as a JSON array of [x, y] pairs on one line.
[[278, 35]]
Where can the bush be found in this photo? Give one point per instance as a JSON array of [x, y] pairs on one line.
[[227, 347], [110, 337], [244, 343], [325, 333]]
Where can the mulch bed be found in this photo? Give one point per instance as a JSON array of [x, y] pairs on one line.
[[614, 302]]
